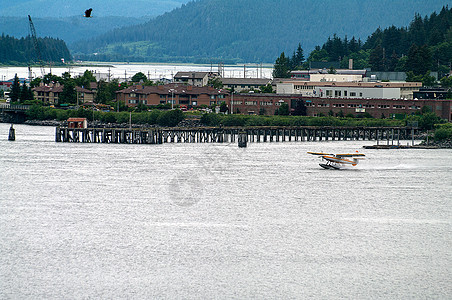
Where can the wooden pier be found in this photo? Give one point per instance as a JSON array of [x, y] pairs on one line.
[[232, 134]]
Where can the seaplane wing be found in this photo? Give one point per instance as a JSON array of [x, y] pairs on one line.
[[338, 161], [350, 155], [319, 153]]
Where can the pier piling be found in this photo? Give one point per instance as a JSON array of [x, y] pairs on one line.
[[12, 133]]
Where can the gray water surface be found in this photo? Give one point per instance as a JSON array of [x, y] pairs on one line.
[[214, 221]]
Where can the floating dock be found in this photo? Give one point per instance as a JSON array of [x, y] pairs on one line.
[[231, 134]]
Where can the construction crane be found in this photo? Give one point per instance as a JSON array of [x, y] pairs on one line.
[[35, 43]]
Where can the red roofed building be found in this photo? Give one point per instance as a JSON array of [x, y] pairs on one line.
[[50, 94], [77, 123], [172, 93]]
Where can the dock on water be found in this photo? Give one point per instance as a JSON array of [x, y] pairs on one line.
[[231, 134]]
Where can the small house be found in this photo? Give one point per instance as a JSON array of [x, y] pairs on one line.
[[77, 123]]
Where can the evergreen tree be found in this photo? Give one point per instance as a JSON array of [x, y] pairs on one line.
[[48, 78], [353, 45], [68, 95], [446, 82], [292, 62], [376, 60], [215, 83], [417, 30], [425, 57], [266, 89], [427, 80], [281, 67], [85, 79], [106, 91], [15, 90], [299, 57], [419, 59], [23, 93], [283, 110], [299, 108], [318, 54], [30, 95], [392, 61], [139, 77]]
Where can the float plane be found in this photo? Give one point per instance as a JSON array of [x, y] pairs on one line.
[[338, 161]]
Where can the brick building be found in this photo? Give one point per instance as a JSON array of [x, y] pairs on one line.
[[389, 108], [256, 103], [173, 93]]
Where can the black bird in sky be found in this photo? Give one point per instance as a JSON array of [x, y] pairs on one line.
[[88, 13]]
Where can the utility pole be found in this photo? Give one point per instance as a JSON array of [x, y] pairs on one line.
[[232, 101]]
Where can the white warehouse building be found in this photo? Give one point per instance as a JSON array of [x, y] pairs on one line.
[[373, 90]]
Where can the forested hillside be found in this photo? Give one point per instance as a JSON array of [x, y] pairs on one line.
[[69, 29], [13, 50], [425, 45], [245, 31]]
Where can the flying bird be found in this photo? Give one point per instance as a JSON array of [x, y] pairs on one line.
[[88, 13]]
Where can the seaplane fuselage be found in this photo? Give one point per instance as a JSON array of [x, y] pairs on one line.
[[338, 161]]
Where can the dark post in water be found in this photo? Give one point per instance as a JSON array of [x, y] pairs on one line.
[[12, 134], [242, 139]]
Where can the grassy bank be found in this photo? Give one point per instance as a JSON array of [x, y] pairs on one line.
[[443, 132], [155, 117]]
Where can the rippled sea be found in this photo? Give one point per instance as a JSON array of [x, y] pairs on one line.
[[214, 221]]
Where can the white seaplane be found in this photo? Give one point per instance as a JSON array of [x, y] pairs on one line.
[[338, 161]]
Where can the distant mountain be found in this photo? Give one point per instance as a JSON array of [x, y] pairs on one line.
[[69, 29], [101, 8], [248, 31]]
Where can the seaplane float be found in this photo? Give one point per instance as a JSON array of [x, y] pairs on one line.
[[338, 161]]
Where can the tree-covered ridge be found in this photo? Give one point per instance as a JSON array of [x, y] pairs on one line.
[[246, 31], [13, 50], [69, 29], [426, 44]]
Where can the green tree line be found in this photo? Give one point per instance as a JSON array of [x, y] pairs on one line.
[[425, 45], [19, 51], [20, 93]]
